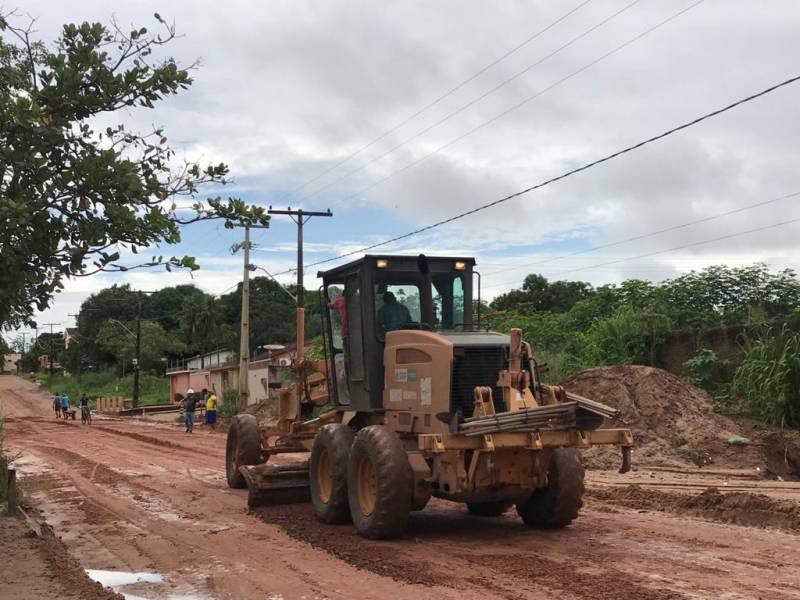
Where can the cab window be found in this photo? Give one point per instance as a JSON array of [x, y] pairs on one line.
[[397, 306]]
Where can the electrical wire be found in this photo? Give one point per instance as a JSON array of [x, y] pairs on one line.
[[657, 252], [564, 175], [523, 102], [645, 235], [682, 246], [471, 103], [447, 94]]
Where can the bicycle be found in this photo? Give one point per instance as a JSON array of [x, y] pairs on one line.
[[86, 415]]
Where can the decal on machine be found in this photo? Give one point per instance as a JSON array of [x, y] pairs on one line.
[[395, 395], [405, 375], [425, 391]]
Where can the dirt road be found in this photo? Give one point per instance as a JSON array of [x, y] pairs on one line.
[[127, 496]]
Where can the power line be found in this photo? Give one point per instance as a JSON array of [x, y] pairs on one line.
[[564, 175], [682, 247], [646, 235], [471, 103], [521, 103], [447, 94]]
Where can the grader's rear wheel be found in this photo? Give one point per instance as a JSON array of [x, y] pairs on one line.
[[488, 509], [379, 483], [328, 473], [243, 447], [556, 505]]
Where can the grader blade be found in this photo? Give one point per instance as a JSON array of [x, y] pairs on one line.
[[270, 485]]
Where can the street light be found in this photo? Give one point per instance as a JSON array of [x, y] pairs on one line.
[[121, 324], [252, 267]]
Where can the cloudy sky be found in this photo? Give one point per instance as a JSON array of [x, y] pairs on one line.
[[319, 104]]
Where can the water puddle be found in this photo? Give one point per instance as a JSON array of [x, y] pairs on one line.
[[140, 586]]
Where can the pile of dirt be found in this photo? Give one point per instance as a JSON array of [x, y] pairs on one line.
[[740, 508], [672, 421]]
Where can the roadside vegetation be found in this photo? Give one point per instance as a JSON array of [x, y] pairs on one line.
[[574, 326], [153, 389]]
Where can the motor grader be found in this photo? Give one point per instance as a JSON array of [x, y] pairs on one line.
[[421, 402]]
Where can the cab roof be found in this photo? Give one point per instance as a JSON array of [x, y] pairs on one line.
[[402, 262]]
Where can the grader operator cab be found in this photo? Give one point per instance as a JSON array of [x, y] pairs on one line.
[[421, 402]]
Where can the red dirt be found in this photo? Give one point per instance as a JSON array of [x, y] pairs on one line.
[[741, 508], [672, 422], [129, 502], [36, 568]]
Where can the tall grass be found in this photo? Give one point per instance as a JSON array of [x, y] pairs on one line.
[[768, 377], [152, 389]]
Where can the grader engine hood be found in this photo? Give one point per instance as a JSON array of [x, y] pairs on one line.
[[433, 373]]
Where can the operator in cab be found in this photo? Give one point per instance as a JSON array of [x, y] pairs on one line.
[[393, 315]]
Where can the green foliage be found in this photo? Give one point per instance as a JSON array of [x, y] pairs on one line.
[[74, 198], [539, 294], [768, 377], [118, 340], [229, 407], [623, 324], [152, 389], [707, 370]]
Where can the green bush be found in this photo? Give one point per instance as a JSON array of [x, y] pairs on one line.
[[229, 407], [768, 377]]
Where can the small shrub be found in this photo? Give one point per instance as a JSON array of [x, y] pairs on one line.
[[229, 407]]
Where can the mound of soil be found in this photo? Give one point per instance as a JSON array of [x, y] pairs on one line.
[[741, 508], [672, 421]]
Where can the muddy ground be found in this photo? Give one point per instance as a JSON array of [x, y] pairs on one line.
[[131, 496]]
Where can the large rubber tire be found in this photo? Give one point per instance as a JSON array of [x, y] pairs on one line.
[[379, 483], [328, 473], [488, 509], [243, 447], [558, 504]]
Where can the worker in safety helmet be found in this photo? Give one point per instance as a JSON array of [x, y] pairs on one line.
[[190, 406]]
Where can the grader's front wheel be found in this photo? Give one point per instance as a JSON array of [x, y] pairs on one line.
[[558, 504], [243, 447], [328, 472], [379, 483]]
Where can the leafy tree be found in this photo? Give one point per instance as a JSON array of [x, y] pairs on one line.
[[155, 343], [201, 324], [74, 199], [539, 294], [169, 304]]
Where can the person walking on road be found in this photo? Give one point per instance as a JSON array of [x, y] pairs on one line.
[[86, 414], [57, 405], [211, 410], [65, 405], [190, 407]]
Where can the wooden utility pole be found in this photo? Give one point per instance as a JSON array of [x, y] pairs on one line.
[[50, 353], [244, 334], [300, 217]]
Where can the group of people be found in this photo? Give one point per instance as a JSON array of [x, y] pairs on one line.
[[61, 406], [190, 402]]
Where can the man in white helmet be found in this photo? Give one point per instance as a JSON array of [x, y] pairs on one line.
[[189, 408]]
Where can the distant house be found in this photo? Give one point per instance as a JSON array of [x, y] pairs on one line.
[[11, 362]]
